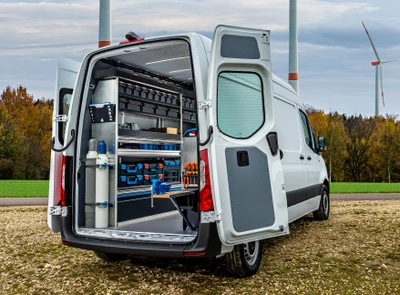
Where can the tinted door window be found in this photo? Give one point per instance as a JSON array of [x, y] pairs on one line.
[[240, 104]]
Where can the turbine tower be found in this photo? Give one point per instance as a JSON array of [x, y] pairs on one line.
[[293, 52], [105, 23], [378, 74]]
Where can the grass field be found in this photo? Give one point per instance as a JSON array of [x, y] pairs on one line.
[[355, 252], [40, 188], [24, 188], [360, 187]]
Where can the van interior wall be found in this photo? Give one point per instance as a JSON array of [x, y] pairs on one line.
[[132, 206]]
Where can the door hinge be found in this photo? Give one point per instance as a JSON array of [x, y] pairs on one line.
[[60, 118], [205, 104], [57, 211]]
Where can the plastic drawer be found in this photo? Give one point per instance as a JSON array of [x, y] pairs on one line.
[[132, 107], [122, 105], [162, 111], [131, 180], [153, 168], [144, 93], [147, 179], [171, 163], [187, 115], [122, 87], [129, 89], [157, 96], [173, 114], [131, 168]]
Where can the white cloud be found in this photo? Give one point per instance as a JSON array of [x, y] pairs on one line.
[[331, 76]]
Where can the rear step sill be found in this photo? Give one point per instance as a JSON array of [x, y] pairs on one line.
[[138, 236]]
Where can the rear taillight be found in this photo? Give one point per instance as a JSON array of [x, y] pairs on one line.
[[206, 201], [62, 180]]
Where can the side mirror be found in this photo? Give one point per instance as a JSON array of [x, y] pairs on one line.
[[322, 143]]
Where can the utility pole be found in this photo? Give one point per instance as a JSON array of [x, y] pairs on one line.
[[105, 23]]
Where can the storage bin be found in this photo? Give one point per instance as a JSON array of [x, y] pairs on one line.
[[157, 96], [136, 168], [163, 97], [172, 175], [148, 108], [175, 100], [144, 93], [153, 168], [132, 180], [136, 91], [173, 113], [147, 179], [122, 87], [122, 105], [133, 107], [162, 111], [187, 115], [129, 89]]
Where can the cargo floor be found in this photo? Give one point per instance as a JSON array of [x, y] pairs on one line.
[[168, 223]]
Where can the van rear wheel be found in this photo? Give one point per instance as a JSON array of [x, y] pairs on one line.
[[110, 257], [244, 260], [323, 211]]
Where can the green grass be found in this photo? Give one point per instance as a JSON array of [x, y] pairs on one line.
[[362, 187], [24, 188], [40, 188]]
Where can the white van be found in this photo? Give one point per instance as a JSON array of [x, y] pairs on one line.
[[182, 146]]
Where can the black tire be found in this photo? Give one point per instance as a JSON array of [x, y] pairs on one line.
[[110, 257], [323, 211], [244, 260]]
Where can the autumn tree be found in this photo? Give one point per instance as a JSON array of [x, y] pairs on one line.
[[359, 146], [26, 135]]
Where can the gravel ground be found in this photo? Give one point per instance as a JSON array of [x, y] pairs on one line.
[[357, 251]]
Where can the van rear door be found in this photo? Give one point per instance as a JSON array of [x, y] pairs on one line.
[[67, 71], [246, 171]]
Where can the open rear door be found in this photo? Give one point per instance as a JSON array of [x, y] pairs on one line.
[[246, 171], [67, 71]]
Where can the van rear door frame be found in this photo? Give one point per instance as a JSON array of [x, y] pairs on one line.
[[249, 209], [67, 71]]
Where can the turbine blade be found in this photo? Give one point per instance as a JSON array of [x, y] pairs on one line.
[[372, 43], [385, 62], [381, 84]]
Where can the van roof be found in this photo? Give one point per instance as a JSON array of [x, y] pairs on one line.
[[282, 88]]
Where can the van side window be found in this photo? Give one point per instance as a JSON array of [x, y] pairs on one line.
[[287, 125], [65, 96], [308, 133], [240, 104]]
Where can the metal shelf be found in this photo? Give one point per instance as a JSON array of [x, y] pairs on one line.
[[131, 139], [149, 153], [145, 189]]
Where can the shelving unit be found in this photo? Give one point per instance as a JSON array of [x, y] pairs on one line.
[[142, 146]]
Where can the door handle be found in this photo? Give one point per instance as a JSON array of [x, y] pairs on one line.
[[242, 158], [308, 158], [301, 157]]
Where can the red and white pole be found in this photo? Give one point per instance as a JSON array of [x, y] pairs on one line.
[[105, 23], [293, 50]]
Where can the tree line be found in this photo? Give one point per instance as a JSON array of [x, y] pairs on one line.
[[360, 149], [25, 135]]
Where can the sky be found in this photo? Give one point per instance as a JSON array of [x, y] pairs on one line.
[[335, 72]]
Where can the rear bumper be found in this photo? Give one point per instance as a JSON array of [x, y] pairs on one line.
[[207, 243]]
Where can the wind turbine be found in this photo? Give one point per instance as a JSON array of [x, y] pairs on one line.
[[378, 74]]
